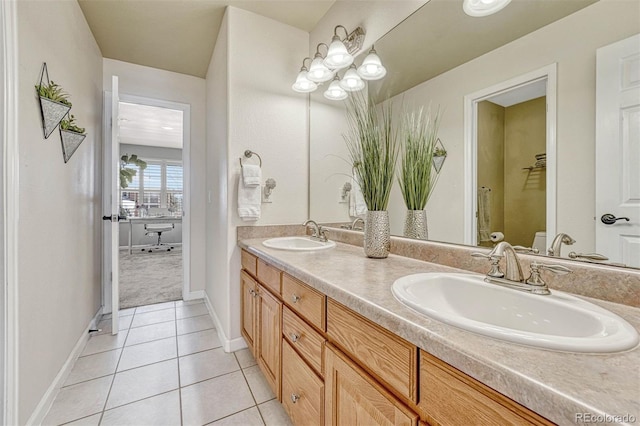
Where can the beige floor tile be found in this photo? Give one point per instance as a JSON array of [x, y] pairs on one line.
[[147, 353], [273, 414], [214, 399], [93, 366], [134, 385], [258, 384], [105, 325], [77, 401], [198, 341], [155, 307], [121, 312], [153, 317], [104, 342], [206, 365], [245, 358], [250, 417], [188, 302], [191, 311], [151, 332], [157, 411], [190, 325], [86, 421]]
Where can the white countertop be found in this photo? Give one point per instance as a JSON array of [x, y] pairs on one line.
[[557, 385]]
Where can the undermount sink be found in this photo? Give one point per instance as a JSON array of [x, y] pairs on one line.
[[298, 244], [558, 321]]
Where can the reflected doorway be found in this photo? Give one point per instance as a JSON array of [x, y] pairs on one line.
[[151, 255]]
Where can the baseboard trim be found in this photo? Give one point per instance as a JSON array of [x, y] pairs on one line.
[[199, 294], [38, 415], [229, 345]]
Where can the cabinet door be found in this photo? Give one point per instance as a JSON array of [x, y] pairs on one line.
[[248, 306], [353, 398], [302, 390], [270, 338]]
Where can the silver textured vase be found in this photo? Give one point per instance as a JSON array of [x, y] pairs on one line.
[[415, 225], [377, 241]]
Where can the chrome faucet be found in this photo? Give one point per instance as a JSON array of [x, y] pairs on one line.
[[556, 245], [318, 231], [513, 277], [355, 222]]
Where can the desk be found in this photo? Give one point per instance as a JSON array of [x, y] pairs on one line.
[[149, 219]]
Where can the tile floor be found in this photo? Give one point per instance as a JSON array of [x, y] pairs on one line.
[[165, 367]]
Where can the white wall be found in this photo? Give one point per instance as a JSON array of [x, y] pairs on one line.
[[60, 244], [169, 86], [264, 115], [571, 42]]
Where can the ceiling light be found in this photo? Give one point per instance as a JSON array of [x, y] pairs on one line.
[[371, 68], [318, 71], [478, 8], [303, 84], [335, 92], [351, 82], [337, 55]]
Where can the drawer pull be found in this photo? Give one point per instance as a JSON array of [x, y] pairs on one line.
[[294, 337], [252, 292], [294, 398], [295, 298]]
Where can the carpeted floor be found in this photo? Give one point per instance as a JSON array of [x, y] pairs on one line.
[[148, 278]]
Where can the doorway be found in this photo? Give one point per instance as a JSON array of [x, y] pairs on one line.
[[510, 159], [151, 198]]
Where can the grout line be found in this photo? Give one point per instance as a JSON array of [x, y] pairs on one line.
[[211, 378], [241, 411], [139, 400], [114, 377], [178, 363]]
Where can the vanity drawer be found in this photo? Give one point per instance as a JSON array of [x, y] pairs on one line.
[[305, 301], [304, 338], [269, 276], [385, 355], [302, 390], [249, 262], [444, 389]]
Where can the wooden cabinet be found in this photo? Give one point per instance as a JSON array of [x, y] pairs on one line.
[[305, 301], [268, 353], [308, 342], [353, 398], [249, 291], [269, 276], [302, 390], [249, 263], [445, 390]]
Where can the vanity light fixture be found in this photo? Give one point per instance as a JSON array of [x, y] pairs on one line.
[[372, 68], [351, 82], [303, 84], [318, 71], [335, 92], [478, 8], [337, 55]]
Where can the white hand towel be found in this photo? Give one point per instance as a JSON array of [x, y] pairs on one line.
[[357, 206], [249, 199], [484, 214], [251, 175]]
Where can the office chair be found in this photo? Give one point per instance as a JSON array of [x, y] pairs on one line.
[[158, 229]]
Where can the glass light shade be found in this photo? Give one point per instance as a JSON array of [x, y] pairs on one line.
[[351, 82], [303, 84], [479, 8], [318, 72], [371, 68], [337, 57], [335, 92]]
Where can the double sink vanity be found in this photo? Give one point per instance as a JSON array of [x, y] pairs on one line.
[[344, 339]]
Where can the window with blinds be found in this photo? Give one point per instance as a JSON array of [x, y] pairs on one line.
[[159, 185]]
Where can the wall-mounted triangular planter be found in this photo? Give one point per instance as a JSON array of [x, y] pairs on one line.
[[52, 113], [439, 156], [70, 143]]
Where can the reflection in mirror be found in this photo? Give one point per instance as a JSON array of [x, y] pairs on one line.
[[430, 60]]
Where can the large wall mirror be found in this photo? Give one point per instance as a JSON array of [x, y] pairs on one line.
[[535, 141]]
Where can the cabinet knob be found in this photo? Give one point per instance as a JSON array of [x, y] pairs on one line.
[[294, 398], [294, 337], [295, 298]]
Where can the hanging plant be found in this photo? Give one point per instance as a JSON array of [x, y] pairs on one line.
[[71, 136], [128, 173], [53, 92], [54, 102], [70, 125]]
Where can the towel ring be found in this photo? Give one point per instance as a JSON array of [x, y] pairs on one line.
[[248, 154]]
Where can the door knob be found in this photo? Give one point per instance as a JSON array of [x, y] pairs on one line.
[[609, 219]]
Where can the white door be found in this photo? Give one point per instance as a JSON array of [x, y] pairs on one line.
[[618, 151], [111, 201]]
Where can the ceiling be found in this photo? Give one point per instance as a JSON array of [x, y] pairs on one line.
[[150, 126], [179, 35]]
